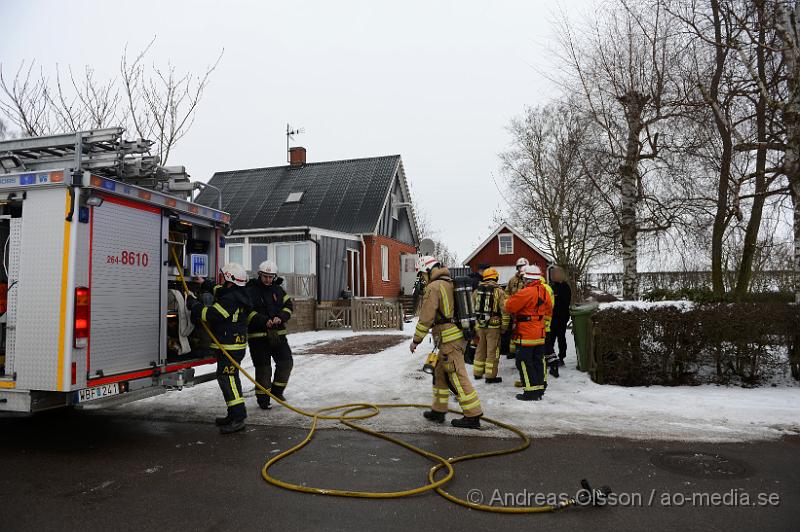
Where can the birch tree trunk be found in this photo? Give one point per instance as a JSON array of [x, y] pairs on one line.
[[633, 104], [788, 32]]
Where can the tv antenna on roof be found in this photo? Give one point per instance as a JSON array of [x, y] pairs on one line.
[[290, 133]]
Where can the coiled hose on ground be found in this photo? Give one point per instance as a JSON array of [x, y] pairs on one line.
[[349, 413]]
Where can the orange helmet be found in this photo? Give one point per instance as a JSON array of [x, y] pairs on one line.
[[490, 274]]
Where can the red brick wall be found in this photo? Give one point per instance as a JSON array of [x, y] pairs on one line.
[[490, 254], [376, 286]]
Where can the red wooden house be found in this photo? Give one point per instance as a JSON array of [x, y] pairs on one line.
[[502, 249]]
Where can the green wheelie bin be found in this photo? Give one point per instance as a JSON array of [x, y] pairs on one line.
[[582, 331]]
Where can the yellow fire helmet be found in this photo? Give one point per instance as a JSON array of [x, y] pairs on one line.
[[490, 274]]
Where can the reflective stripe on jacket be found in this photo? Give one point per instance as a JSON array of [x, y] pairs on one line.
[[499, 317], [437, 309], [226, 317], [268, 301], [530, 306], [548, 320]]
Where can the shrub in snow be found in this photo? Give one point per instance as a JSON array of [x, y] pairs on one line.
[[676, 343]]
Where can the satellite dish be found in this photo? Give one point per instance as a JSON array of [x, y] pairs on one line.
[[427, 246]]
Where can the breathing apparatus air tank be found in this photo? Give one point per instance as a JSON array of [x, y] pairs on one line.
[[419, 290], [485, 307], [464, 315]]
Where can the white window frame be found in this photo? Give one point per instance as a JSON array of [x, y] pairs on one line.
[[272, 253], [254, 267], [385, 263], [306, 243], [500, 243], [228, 252], [290, 245]]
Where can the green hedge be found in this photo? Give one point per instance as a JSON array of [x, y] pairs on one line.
[[704, 343]]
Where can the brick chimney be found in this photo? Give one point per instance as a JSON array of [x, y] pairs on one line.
[[297, 156]]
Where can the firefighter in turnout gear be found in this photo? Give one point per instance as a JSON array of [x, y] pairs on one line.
[[450, 373], [514, 285], [530, 308], [551, 360], [272, 309], [227, 319], [517, 283], [493, 321]]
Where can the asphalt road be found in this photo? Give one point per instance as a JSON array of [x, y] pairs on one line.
[[70, 471]]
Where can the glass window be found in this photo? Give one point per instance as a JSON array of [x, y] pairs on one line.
[[302, 258], [294, 197], [395, 210], [283, 256], [258, 254], [385, 263], [506, 244], [236, 253]]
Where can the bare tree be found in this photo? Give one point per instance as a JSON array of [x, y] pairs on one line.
[[623, 67], [161, 104], [788, 25], [426, 230], [551, 194], [153, 102], [23, 100]]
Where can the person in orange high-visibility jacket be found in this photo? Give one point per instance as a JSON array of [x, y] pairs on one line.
[[450, 373], [514, 285], [531, 307]]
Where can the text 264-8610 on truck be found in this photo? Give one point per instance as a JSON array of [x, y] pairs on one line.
[[91, 307]]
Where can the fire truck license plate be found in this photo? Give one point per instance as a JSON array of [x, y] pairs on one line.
[[106, 390]]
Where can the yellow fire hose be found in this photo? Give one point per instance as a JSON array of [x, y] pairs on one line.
[[359, 411]]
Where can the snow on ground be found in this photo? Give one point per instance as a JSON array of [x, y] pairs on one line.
[[644, 305], [573, 404]]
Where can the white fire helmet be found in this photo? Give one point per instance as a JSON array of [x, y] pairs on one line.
[[268, 267], [522, 261], [426, 263], [235, 273], [532, 273]]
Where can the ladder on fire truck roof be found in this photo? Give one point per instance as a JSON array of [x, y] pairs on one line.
[[103, 152]]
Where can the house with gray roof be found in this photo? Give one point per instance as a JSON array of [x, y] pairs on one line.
[[336, 229]]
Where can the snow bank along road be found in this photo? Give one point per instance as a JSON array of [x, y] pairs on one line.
[[572, 405]]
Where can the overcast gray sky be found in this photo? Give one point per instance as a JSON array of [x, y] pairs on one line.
[[435, 81]]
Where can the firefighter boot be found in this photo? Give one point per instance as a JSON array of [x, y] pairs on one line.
[[263, 377], [263, 402], [552, 364], [465, 422], [432, 415], [493, 380], [222, 420], [277, 391], [234, 426], [529, 396]]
